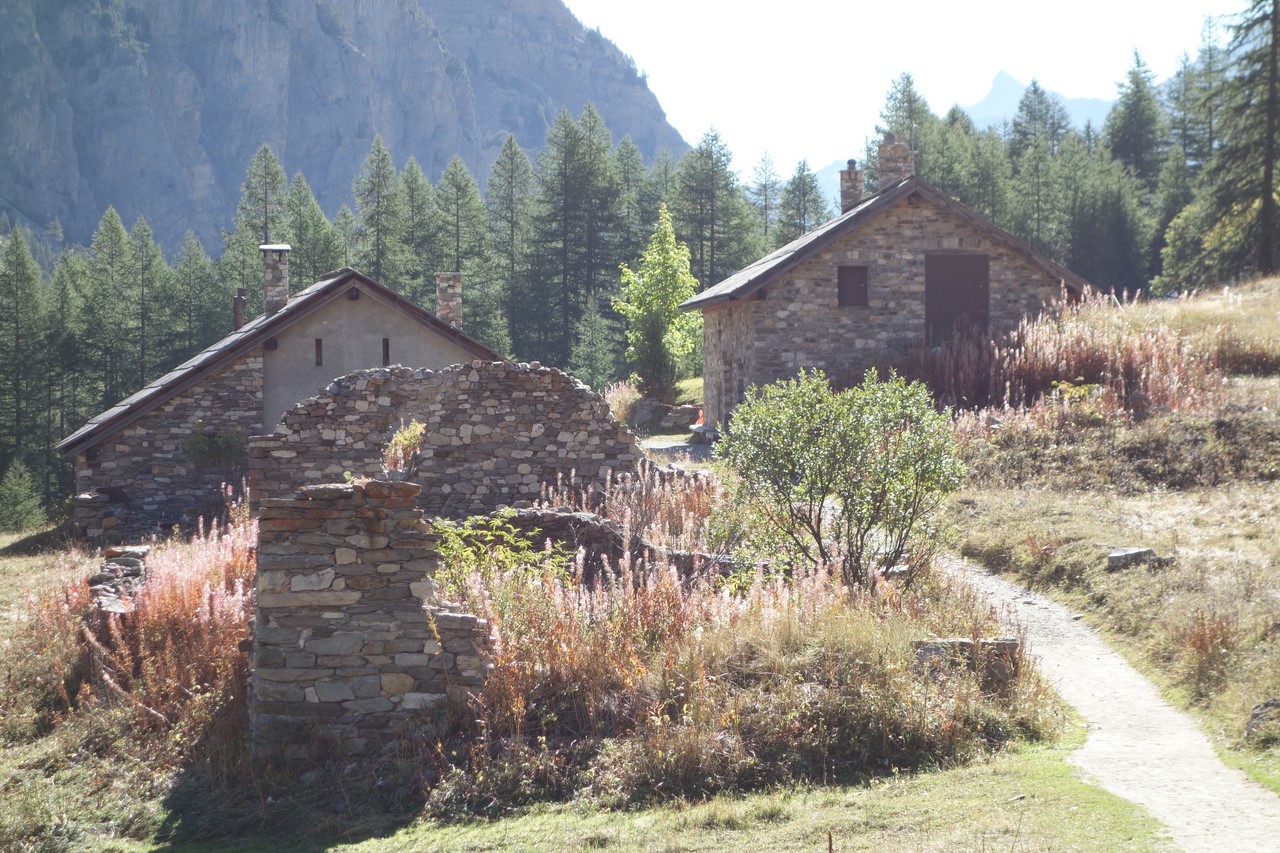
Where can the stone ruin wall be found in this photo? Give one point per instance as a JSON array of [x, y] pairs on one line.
[[495, 433], [353, 650], [140, 481]]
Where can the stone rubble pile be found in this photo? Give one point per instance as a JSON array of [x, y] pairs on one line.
[[123, 571]]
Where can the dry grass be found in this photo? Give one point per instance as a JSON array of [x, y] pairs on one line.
[[652, 686], [110, 709]]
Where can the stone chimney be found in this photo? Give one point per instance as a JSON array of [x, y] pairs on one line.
[[275, 276], [850, 187], [449, 298], [237, 310], [896, 161]]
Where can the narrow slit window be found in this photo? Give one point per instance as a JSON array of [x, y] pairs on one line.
[[851, 287], [386, 351], [319, 352]]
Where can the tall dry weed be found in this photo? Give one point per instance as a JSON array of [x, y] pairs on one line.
[[1089, 342]]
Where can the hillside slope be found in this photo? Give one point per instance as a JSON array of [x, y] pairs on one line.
[[157, 107]]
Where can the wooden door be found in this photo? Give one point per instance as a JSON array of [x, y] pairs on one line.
[[957, 292]]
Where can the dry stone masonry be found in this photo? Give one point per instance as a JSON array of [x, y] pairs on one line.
[[495, 433], [799, 323], [353, 650], [144, 479]]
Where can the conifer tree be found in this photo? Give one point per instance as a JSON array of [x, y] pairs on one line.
[[484, 315], [20, 350], [763, 192], [802, 207], [347, 228], [20, 508], [712, 213], [1133, 130], [65, 368], [632, 176], [595, 356], [380, 244], [1041, 119], [572, 245], [508, 193], [150, 276], [463, 218], [316, 247], [261, 207], [201, 303], [420, 235], [107, 319]]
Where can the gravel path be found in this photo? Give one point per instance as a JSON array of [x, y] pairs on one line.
[[1138, 746]]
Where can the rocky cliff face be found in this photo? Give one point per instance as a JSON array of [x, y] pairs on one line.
[[156, 107]]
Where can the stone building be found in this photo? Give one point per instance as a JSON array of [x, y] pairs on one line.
[[893, 271], [160, 457]]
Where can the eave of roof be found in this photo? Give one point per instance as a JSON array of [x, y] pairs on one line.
[[239, 342], [751, 278]]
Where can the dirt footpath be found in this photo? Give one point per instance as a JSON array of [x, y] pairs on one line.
[[1138, 747]]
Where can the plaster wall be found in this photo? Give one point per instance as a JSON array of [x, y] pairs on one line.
[[351, 332]]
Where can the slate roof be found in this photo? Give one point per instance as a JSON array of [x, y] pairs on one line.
[[236, 344], [751, 278]]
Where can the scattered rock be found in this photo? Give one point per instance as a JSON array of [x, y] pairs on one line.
[[1264, 722], [137, 552], [995, 660], [1124, 557]]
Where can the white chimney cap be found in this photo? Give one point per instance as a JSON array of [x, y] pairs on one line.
[[276, 247]]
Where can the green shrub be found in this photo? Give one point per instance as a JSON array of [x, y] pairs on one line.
[[850, 475]]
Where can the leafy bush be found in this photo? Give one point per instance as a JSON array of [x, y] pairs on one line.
[[850, 475], [401, 451]]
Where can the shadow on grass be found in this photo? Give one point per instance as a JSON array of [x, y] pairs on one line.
[[52, 539], [292, 811]]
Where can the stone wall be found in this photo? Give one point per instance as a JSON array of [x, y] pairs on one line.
[[799, 323], [143, 478], [495, 432], [352, 648]]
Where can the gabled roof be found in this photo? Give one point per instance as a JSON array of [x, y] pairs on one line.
[[253, 333], [751, 278]]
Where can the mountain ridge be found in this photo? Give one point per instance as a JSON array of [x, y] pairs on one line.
[[156, 108]]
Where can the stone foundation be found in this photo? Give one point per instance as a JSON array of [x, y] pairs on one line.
[[353, 650]]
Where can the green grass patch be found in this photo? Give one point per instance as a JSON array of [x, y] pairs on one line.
[[1028, 799]]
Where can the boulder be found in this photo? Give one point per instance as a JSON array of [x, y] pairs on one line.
[[1122, 558]]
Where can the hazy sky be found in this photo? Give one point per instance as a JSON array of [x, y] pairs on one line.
[[807, 78]]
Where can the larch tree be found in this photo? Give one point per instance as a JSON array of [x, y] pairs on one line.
[[380, 207], [802, 206], [1134, 128], [508, 193], [201, 303], [764, 190], [20, 350], [107, 320], [421, 234], [316, 249], [711, 211], [462, 216]]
